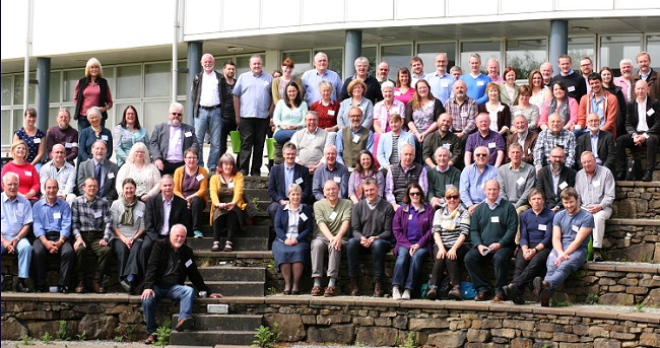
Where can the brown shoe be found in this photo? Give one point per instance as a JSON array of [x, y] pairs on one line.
[[80, 288], [353, 287], [499, 297], [149, 340], [455, 293], [378, 289], [329, 291], [317, 290], [184, 324], [483, 296], [97, 287]]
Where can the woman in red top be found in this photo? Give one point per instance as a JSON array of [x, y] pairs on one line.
[[28, 178], [91, 90], [326, 108]]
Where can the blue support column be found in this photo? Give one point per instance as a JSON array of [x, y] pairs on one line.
[[43, 93], [558, 41], [352, 50], [194, 68]]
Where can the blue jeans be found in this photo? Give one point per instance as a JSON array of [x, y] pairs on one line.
[[283, 135], [406, 272], [557, 274], [378, 249], [209, 119], [183, 293], [578, 132], [24, 250]]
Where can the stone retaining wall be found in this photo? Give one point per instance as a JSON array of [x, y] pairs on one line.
[[637, 200], [632, 240]]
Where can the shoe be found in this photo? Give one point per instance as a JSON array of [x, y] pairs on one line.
[[513, 293], [329, 291], [432, 292], [597, 256], [97, 287], [125, 285], [620, 176], [199, 234], [63, 289], [538, 286], [42, 288], [353, 287], [648, 176], [295, 292], [455, 293], [406, 294], [378, 289], [483, 296], [316, 290], [396, 293], [216, 246], [21, 287], [287, 292], [228, 246], [150, 339], [499, 297], [80, 288], [546, 294], [184, 324]]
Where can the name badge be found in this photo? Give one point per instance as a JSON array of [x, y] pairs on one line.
[[444, 84], [188, 134], [447, 146], [68, 145], [448, 185], [20, 207], [303, 216], [299, 181], [571, 88], [501, 108], [98, 214], [311, 137], [36, 140], [111, 175], [337, 179], [464, 114], [265, 83], [230, 185], [596, 183], [57, 216], [397, 93], [495, 219], [356, 138], [28, 173], [480, 83], [542, 227], [563, 185], [576, 228], [200, 177], [188, 263], [492, 145], [520, 181], [650, 112], [74, 144], [139, 213], [333, 215], [331, 112], [410, 217], [104, 137], [19, 212]]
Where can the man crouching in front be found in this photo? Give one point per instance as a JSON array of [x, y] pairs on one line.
[[171, 261]]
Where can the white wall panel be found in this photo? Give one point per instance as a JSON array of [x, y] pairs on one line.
[[202, 16], [410, 9], [320, 12], [281, 13], [13, 28], [471, 8], [565, 5], [369, 10], [241, 14], [517, 6], [636, 5]]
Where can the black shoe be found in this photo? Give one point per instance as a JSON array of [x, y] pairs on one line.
[[648, 176], [184, 324], [63, 289], [513, 293], [21, 287], [546, 294], [125, 285], [620, 176], [538, 286], [41, 288]]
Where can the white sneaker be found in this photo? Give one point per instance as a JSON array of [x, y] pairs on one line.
[[406, 295], [396, 294]]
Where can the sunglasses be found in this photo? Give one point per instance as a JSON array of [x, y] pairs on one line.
[[452, 197], [480, 155], [415, 194]]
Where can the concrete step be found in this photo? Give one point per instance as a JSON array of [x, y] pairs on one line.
[[211, 338], [237, 288], [260, 194], [251, 231], [230, 273], [223, 322], [252, 182], [239, 243]]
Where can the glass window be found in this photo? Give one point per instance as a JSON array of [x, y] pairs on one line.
[[369, 53], [615, 48], [71, 77], [109, 74], [6, 90], [55, 84], [486, 49], [73, 123], [396, 57], [652, 47], [335, 59], [428, 52], [243, 64], [129, 81], [525, 56], [301, 61], [18, 89], [579, 47], [6, 128], [182, 81], [52, 117], [154, 113], [17, 116], [157, 80]]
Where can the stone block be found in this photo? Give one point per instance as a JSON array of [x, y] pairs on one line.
[[400, 322], [448, 339], [12, 329], [575, 345], [622, 336], [580, 330], [651, 282], [98, 326], [636, 290], [508, 333], [290, 326], [363, 321], [522, 343], [309, 319], [545, 344], [653, 298], [383, 322], [474, 335], [118, 309], [628, 282], [616, 299], [518, 324], [563, 337], [649, 339], [342, 334], [421, 324], [617, 288], [377, 336], [37, 315], [606, 281], [486, 324], [39, 328]]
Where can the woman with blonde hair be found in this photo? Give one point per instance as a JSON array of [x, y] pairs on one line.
[[139, 168], [91, 91], [28, 177]]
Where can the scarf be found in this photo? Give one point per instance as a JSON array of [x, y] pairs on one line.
[[449, 219], [563, 109], [127, 216]]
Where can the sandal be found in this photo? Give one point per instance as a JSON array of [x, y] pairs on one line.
[[228, 246], [216, 246]]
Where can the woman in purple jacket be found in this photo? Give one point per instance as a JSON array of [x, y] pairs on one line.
[[412, 226]]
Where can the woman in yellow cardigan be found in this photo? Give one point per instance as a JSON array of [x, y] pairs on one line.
[[191, 182], [227, 205]]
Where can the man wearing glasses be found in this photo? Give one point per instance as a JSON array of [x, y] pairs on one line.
[[474, 177], [170, 140]]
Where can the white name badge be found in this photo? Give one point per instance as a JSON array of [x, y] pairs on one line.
[[139, 213], [230, 185], [501, 108], [571, 88], [57, 216], [98, 214], [20, 207], [303, 216], [188, 134], [410, 217], [200, 177], [650, 112], [542, 227], [36, 140], [444, 84], [397, 93], [299, 181], [480, 83], [491, 145], [311, 137], [596, 183], [520, 181], [28, 173], [74, 145], [111, 175], [333, 215], [265, 83], [447, 146], [563, 185], [68, 145], [464, 114], [495, 219], [337, 179], [576, 228], [356, 138], [188, 263], [104, 137], [331, 112]]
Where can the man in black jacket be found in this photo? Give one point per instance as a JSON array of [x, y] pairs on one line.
[[605, 150], [169, 265], [555, 178]]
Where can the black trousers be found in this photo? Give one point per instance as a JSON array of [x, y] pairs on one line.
[[170, 167], [197, 208], [453, 267], [226, 125], [227, 221], [128, 258], [626, 141], [526, 271], [39, 255], [253, 138]]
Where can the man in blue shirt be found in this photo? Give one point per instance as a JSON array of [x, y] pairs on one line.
[[16, 222], [476, 81], [312, 78], [474, 177], [331, 170], [52, 229], [440, 80]]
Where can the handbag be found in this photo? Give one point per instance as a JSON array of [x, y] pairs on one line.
[[468, 291]]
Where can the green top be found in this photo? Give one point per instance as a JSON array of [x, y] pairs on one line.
[[498, 225], [332, 217]]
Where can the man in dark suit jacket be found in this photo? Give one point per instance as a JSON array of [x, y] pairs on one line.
[[566, 179], [158, 220], [640, 132], [522, 132], [277, 184], [605, 149], [164, 142], [207, 109], [101, 169]]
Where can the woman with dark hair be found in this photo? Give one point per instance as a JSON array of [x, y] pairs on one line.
[[562, 104], [227, 205], [357, 90], [539, 92], [422, 112], [91, 91], [403, 92], [608, 84], [127, 133], [281, 82], [412, 228], [34, 138], [293, 224], [509, 89], [289, 114], [364, 168], [522, 106], [191, 182], [95, 131], [499, 113]]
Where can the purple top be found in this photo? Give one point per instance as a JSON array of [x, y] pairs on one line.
[[190, 184], [404, 230], [493, 141]]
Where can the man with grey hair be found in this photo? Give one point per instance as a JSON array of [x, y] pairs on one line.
[[16, 223], [207, 109], [475, 81], [546, 72], [493, 67], [331, 170], [373, 91], [441, 81], [310, 142], [253, 105], [625, 80], [441, 176], [312, 78], [170, 140]]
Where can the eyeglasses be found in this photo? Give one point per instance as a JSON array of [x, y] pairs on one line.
[[451, 197], [480, 155], [176, 114], [412, 194]]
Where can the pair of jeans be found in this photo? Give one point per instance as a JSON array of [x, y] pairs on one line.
[[182, 293], [209, 119], [283, 135], [24, 251], [474, 263], [378, 250], [407, 269], [558, 274]]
